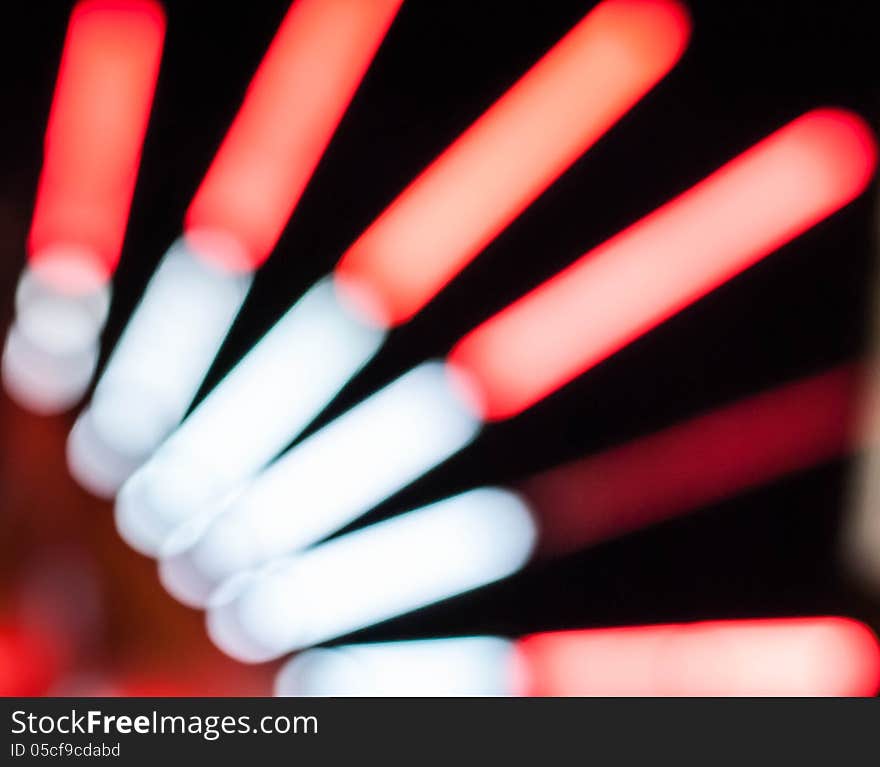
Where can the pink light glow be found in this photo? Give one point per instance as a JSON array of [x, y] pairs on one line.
[[622, 289], [784, 657]]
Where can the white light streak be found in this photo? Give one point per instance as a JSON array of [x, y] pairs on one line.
[[463, 666], [53, 345], [155, 369], [330, 479], [249, 418], [373, 574]]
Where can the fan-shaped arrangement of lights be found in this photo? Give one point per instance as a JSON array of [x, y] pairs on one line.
[[237, 523]]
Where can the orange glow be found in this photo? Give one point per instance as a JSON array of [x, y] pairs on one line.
[[697, 462], [511, 154], [93, 141], [620, 290], [784, 657], [291, 109]]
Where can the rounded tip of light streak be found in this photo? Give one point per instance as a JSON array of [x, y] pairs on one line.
[[844, 142], [661, 28], [202, 555], [99, 463], [184, 580], [95, 468], [136, 519], [52, 348], [112, 438], [857, 651], [42, 382], [304, 673], [228, 630]]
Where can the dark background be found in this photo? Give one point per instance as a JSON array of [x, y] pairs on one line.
[[751, 67]]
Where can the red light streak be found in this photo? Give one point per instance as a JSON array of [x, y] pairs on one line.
[[93, 140], [622, 289], [787, 657], [511, 154], [697, 462], [290, 111]]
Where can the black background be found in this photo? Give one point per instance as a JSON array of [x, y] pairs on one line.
[[751, 67]]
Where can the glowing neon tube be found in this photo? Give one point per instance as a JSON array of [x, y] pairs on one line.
[[791, 657], [754, 204], [677, 470], [367, 576], [97, 122], [474, 189], [461, 202], [295, 100], [697, 462], [619, 291]]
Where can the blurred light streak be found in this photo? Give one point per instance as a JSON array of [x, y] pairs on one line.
[[731, 449], [203, 460], [442, 220], [772, 657], [759, 201], [619, 291], [798, 657], [98, 119], [385, 570], [511, 154], [697, 462], [475, 665], [184, 318], [29, 661], [289, 113], [93, 140], [295, 100], [420, 421]]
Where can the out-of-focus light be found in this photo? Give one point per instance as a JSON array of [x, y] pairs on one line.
[[773, 657], [291, 109], [511, 154], [461, 202], [617, 292], [374, 574], [861, 538], [52, 347], [333, 477], [734, 448], [184, 318], [29, 662], [785, 657], [204, 460], [42, 382], [93, 142], [607, 299], [669, 473], [696, 462], [478, 665]]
